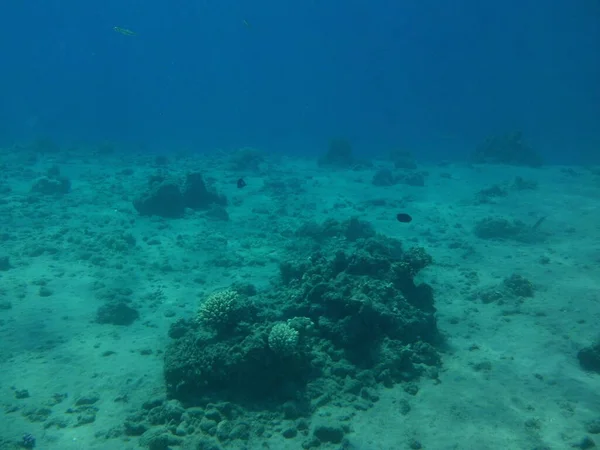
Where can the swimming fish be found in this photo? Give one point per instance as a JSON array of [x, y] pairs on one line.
[[403, 217], [125, 31], [246, 23], [241, 183]]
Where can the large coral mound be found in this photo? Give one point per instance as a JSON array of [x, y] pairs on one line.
[[338, 321]]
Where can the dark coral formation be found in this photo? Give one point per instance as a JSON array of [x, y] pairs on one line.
[[246, 159], [340, 320], [509, 148], [499, 228], [161, 198], [488, 195], [166, 197], [339, 154], [164, 424], [116, 313], [384, 177], [403, 159], [519, 285], [53, 183], [589, 357]]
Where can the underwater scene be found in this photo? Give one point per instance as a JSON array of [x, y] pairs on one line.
[[300, 225]]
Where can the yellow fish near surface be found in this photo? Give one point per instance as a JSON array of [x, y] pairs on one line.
[[124, 31]]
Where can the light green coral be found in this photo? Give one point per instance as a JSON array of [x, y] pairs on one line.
[[219, 309], [283, 339]]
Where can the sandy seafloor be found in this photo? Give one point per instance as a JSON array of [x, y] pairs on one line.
[[510, 378]]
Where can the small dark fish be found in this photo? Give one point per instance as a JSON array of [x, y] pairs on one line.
[[403, 217], [241, 183]]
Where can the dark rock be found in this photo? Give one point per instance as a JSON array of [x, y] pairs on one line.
[[509, 149], [519, 286], [403, 159], [165, 198], [116, 313], [384, 177], [51, 186], [404, 407], [289, 432], [45, 291], [413, 179], [4, 263], [159, 439], [246, 159], [500, 228], [197, 196], [415, 445], [339, 154], [21, 393], [593, 426], [589, 357], [224, 430], [85, 418], [5, 305], [162, 198], [87, 400], [135, 428], [585, 443], [329, 433], [153, 403], [240, 431]]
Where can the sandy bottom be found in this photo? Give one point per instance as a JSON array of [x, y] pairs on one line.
[[510, 380]]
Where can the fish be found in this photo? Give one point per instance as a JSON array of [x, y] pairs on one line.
[[241, 183], [246, 23], [403, 217], [125, 31]]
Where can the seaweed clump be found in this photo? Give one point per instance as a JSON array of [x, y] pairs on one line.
[[338, 321]]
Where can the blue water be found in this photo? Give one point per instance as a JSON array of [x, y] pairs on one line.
[[432, 76], [419, 271]]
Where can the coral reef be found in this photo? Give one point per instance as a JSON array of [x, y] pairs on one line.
[[283, 339], [332, 325], [219, 310], [165, 197]]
